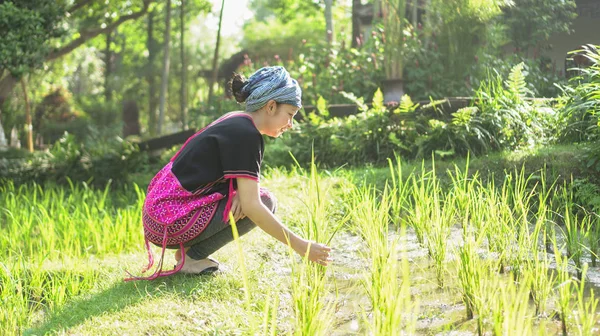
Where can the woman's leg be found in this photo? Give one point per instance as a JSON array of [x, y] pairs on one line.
[[218, 234]]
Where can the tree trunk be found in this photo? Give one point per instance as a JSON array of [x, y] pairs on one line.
[[108, 67], [165, 73], [329, 21], [27, 117], [183, 90], [415, 8], [215, 69], [356, 28], [151, 46], [7, 84]]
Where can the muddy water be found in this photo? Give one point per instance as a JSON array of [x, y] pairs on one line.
[[441, 311]]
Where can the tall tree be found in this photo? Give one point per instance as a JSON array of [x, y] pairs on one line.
[[151, 46], [164, 86], [356, 29], [215, 65], [37, 23], [329, 20], [27, 116], [108, 67], [184, 89]]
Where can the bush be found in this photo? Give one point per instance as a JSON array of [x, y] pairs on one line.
[[580, 103], [69, 159], [368, 137]]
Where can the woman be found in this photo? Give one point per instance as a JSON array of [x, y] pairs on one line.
[[216, 172]]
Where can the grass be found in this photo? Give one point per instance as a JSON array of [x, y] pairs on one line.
[[417, 249]]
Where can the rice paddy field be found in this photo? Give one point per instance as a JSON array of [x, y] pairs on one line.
[[414, 254]]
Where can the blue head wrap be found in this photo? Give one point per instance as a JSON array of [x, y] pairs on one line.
[[272, 83]]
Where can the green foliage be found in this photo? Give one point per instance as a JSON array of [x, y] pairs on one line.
[[285, 10], [463, 134], [370, 136], [69, 159], [27, 25], [327, 71], [531, 22], [465, 28], [509, 113], [580, 103]]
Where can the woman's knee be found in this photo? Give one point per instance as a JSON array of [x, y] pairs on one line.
[[269, 201]]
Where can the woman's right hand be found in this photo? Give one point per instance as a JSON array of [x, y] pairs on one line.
[[318, 253]]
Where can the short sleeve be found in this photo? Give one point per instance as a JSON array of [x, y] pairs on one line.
[[241, 154]]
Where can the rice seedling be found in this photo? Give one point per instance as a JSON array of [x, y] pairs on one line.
[[594, 238], [400, 191], [313, 312], [392, 311], [564, 286], [438, 233], [422, 188], [472, 270], [62, 225], [511, 314], [585, 307], [575, 231]]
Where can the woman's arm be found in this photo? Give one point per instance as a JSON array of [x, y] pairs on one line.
[[248, 191]]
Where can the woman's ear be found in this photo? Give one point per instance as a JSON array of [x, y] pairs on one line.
[[271, 107]]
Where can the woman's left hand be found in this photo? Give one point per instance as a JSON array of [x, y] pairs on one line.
[[236, 208]]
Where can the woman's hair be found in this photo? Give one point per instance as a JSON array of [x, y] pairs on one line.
[[268, 83], [236, 84]]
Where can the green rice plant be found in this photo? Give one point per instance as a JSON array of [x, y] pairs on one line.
[[313, 312], [433, 221], [438, 232], [269, 323], [594, 238], [463, 190], [386, 283], [522, 242], [498, 217], [14, 310], [564, 286], [575, 231], [471, 271], [49, 222], [400, 191], [538, 265], [511, 314], [542, 281], [585, 307], [422, 188]]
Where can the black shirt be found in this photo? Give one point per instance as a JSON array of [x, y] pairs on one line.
[[228, 148]]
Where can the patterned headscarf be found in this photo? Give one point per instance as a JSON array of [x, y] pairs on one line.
[[272, 83]]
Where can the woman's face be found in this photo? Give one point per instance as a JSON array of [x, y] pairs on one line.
[[280, 119]]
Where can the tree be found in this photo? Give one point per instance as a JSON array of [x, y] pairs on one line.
[[165, 71], [108, 67], [532, 22], [152, 47], [31, 24], [183, 88], [38, 23], [215, 68], [356, 29], [329, 21], [285, 10]]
